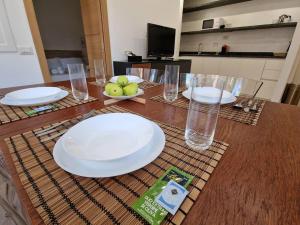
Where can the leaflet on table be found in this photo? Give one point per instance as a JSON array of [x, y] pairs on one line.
[[146, 205]]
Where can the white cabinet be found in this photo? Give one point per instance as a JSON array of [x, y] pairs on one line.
[[272, 69], [229, 67], [7, 42], [267, 89], [267, 70], [271, 75], [210, 65], [274, 64], [251, 68]]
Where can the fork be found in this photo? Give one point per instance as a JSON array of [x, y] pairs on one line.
[[254, 106], [240, 104], [84, 117]]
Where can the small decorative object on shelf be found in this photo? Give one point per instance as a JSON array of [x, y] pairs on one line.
[[284, 18]]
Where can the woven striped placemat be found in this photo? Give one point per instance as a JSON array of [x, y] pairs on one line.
[[10, 114], [62, 198], [143, 85], [227, 111]]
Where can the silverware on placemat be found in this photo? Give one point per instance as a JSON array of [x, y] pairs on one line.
[[255, 106], [249, 104], [53, 128]]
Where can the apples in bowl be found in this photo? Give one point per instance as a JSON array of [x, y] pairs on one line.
[[122, 89]]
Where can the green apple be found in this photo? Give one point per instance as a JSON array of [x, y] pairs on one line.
[[107, 87], [115, 90], [134, 84], [122, 81], [130, 89]]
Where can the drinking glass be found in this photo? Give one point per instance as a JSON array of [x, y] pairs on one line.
[[171, 79], [240, 86], [135, 72], [99, 72], [78, 81], [205, 98]]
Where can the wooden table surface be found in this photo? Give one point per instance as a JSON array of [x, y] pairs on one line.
[[256, 182]]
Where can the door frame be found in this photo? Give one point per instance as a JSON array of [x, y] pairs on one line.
[[38, 43], [37, 40]]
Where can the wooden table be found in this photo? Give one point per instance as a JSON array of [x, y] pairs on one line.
[[256, 182]]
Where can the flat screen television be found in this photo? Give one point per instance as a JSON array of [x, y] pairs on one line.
[[161, 41]]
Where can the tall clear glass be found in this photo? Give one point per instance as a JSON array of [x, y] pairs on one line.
[[99, 72], [205, 98], [240, 86], [78, 81], [171, 80], [135, 72]]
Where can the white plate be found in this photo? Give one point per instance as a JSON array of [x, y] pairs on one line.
[[33, 94], [111, 168], [108, 136], [209, 95], [36, 102], [130, 78], [124, 97]]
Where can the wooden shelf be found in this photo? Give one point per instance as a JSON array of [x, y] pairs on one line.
[[232, 29], [214, 4]]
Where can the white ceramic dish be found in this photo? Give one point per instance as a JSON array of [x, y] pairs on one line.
[[130, 78], [34, 102], [111, 168], [124, 97], [33, 94], [107, 137], [208, 95]]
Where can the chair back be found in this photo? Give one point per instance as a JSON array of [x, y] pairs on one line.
[[151, 75]]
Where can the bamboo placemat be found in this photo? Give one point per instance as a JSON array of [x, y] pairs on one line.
[[10, 114], [144, 85], [226, 111], [62, 198]]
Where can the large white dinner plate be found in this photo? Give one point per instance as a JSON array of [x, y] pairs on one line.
[[130, 78], [111, 168], [107, 137], [209, 95], [34, 102], [33, 94], [124, 97]]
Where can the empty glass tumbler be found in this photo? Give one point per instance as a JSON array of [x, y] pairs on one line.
[[99, 72], [78, 81], [171, 80], [205, 95]]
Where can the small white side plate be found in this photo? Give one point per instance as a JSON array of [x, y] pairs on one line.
[[124, 97], [130, 78], [111, 168]]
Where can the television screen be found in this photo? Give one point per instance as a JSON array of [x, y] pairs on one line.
[[161, 40]]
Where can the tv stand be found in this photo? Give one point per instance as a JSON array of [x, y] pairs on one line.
[[120, 66]]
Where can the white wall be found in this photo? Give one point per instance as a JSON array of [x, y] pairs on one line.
[[254, 6], [266, 40], [17, 69], [128, 23], [254, 12], [60, 24]]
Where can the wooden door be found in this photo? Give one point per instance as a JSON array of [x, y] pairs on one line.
[[95, 25]]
